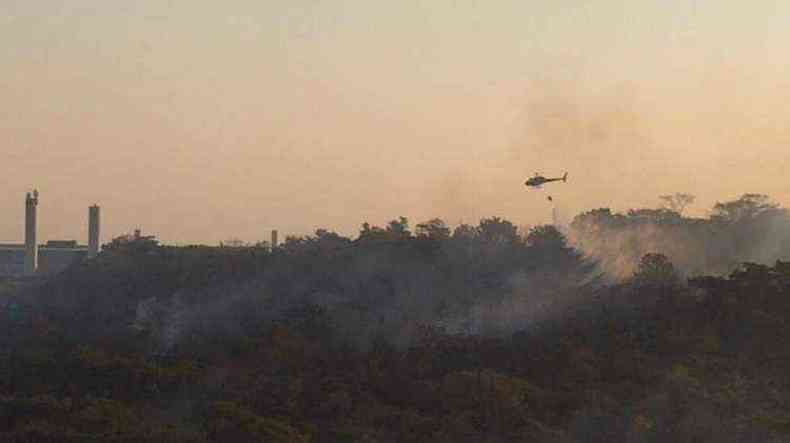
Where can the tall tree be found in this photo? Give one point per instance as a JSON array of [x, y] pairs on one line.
[[498, 231], [747, 207], [546, 237], [677, 202], [399, 228]]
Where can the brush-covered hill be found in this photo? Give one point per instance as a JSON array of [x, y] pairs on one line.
[[475, 334]]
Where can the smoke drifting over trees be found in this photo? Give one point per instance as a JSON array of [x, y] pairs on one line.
[[447, 333], [749, 229], [489, 278]]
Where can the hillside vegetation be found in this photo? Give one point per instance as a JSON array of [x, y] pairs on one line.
[[478, 333]]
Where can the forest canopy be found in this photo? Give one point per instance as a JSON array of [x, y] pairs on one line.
[[618, 328]]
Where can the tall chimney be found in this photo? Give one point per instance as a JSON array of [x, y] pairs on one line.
[[274, 238], [93, 231], [31, 241]]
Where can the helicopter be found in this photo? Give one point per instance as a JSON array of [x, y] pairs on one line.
[[538, 180]]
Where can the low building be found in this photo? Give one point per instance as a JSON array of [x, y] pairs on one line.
[[53, 257]]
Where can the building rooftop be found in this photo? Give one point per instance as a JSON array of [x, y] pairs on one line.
[[68, 245], [50, 260]]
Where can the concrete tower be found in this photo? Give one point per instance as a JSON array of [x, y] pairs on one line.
[[31, 241], [274, 238], [93, 231]]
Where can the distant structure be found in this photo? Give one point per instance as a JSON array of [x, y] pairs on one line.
[[274, 238], [31, 245], [93, 231], [135, 236], [30, 258], [61, 244]]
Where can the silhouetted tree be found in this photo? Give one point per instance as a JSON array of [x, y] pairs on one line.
[[399, 229], [465, 232], [498, 231], [677, 202], [369, 232], [294, 244], [326, 241], [597, 219], [396, 230], [546, 237], [330, 237], [656, 216], [747, 207], [434, 229]]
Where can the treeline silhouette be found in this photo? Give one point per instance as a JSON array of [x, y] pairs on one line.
[[473, 333], [381, 285]]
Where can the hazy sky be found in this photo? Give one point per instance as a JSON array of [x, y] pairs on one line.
[[201, 120]]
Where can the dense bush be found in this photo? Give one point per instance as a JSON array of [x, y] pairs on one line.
[[472, 334]]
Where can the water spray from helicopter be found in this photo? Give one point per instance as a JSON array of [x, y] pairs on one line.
[[537, 181]]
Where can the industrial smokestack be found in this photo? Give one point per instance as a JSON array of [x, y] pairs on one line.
[[93, 231], [31, 241], [274, 238]]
